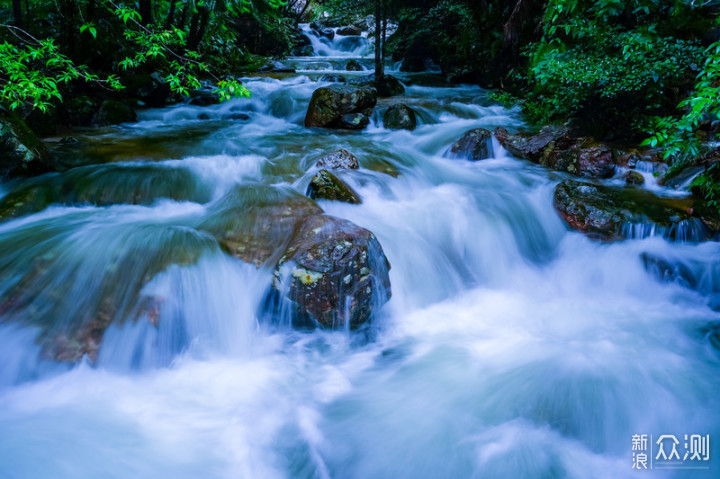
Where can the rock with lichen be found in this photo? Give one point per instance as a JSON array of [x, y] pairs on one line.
[[338, 159], [340, 106], [333, 275]]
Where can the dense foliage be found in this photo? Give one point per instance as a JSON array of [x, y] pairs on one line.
[[48, 47]]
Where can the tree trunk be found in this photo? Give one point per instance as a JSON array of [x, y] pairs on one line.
[[145, 11], [170, 16], [17, 13], [198, 24], [302, 12], [379, 67]]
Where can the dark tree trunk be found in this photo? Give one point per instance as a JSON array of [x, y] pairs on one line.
[[379, 67], [145, 12], [170, 16], [17, 13], [198, 24]]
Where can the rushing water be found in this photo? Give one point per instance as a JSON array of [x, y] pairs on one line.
[[511, 347]]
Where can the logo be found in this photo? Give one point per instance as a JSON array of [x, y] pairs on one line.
[[668, 452]]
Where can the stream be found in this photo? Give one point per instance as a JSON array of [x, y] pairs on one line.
[[511, 346]]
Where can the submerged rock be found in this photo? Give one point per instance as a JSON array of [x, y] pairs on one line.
[[329, 104], [612, 212], [400, 117], [72, 311], [339, 159], [103, 185], [255, 222], [326, 186], [333, 275], [474, 145], [21, 152]]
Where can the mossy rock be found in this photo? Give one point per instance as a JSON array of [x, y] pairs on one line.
[[326, 186], [21, 152], [329, 105], [400, 117], [613, 212], [113, 112]]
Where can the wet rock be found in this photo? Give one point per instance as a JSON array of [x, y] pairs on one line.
[[333, 275], [353, 66], [669, 272], [205, 97], [304, 51], [331, 77], [400, 117], [554, 148], [255, 222], [338, 159], [113, 112], [326, 186], [634, 178], [613, 212], [237, 116], [474, 145], [533, 147], [583, 158], [325, 32], [354, 121], [349, 30], [329, 104], [203, 116], [21, 152]]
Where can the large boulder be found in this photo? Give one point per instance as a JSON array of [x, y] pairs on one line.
[[533, 146], [474, 145], [329, 104], [617, 212], [555, 148], [21, 152], [255, 222], [400, 117], [326, 186], [333, 275], [583, 158], [338, 159]]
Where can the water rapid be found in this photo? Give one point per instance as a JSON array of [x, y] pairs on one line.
[[511, 346]]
